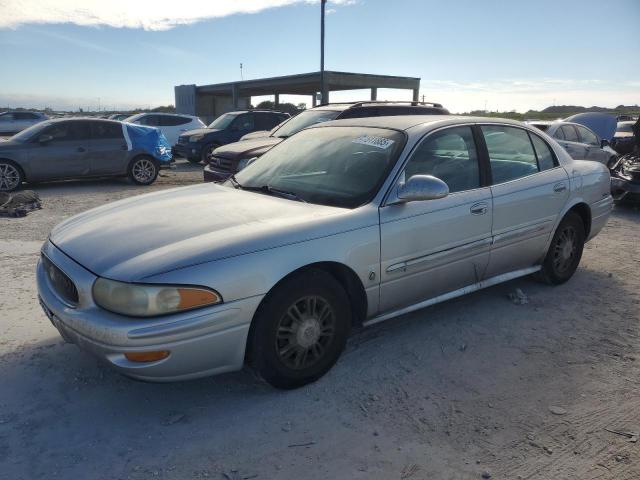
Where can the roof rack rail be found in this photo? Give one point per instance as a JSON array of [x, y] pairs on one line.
[[374, 102]]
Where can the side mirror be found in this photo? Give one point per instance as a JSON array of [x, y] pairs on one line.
[[45, 139], [604, 143], [422, 187]]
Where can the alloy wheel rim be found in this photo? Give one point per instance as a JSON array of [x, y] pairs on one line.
[[305, 332], [565, 250], [9, 177], [143, 170]]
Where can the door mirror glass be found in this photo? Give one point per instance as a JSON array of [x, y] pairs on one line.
[[604, 143], [422, 187], [45, 138]]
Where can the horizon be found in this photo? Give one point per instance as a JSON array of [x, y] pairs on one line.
[[118, 56]]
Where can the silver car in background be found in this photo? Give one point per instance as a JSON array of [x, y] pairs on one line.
[[579, 141], [344, 224], [14, 122]]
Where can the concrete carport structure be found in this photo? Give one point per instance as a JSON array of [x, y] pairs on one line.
[[211, 101]]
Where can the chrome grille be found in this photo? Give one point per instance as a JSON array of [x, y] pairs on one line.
[[60, 282], [223, 164]]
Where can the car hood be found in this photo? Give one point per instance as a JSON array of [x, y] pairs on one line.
[[200, 131], [603, 124], [142, 236], [247, 148]]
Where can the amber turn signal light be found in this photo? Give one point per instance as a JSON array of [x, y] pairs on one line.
[[147, 356]]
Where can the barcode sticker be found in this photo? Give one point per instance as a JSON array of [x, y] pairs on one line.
[[379, 142]]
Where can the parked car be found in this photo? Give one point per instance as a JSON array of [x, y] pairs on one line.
[[225, 161], [624, 139], [579, 141], [14, 122], [197, 145], [346, 223], [170, 124], [80, 148], [625, 177]]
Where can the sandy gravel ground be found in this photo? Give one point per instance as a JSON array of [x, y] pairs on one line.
[[476, 386]]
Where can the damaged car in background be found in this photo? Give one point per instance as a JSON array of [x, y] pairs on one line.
[[344, 224], [82, 148]]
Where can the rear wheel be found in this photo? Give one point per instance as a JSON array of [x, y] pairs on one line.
[[300, 330], [11, 176], [565, 251], [207, 153], [143, 170]]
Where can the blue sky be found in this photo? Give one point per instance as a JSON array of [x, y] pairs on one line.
[[505, 54]]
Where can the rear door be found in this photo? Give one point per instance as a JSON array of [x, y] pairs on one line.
[[66, 155], [107, 148], [592, 143], [173, 126], [529, 191], [568, 137], [432, 247]]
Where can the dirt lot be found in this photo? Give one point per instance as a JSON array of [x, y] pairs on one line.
[[476, 386]]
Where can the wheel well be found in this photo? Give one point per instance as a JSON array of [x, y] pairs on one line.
[[584, 211], [345, 276]]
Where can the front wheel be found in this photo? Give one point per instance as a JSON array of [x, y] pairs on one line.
[[143, 170], [565, 251], [11, 176], [300, 330], [207, 152]]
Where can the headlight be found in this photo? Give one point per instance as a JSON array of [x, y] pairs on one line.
[[195, 138], [245, 162], [138, 300]]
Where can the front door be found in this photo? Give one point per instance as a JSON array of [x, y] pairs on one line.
[[432, 247], [529, 191], [64, 154], [107, 148], [567, 136]]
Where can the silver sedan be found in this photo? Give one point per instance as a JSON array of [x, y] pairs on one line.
[[348, 223]]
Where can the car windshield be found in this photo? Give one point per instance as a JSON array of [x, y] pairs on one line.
[[28, 133], [336, 166], [223, 121], [304, 120]]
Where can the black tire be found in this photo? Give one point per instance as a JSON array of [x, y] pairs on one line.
[[565, 251], [300, 330], [143, 170], [206, 152], [193, 159], [11, 176]]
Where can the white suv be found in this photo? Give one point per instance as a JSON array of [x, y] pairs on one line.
[[170, 124]]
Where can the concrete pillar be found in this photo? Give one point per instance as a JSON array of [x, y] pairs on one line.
[[374, 94], [416, 94], [314, 99], [325, 96], [235, 95], [277, 100]]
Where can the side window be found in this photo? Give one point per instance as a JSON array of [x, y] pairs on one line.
[[558, 135], [510, 153], [449, 155], [546, 157], [172, 120], [244, 122], [570, 134], [68, 131], [587, 136], [265, 121], [106, 130], [149, 120]]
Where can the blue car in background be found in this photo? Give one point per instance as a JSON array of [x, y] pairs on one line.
[[81, 148], [198, 145]]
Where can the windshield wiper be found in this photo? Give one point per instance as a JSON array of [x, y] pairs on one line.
[[270, 191], [234, 182]]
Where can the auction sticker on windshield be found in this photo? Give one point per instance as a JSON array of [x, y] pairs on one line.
[[379, 142]]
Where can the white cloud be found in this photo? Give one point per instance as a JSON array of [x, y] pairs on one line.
[[145, 14]]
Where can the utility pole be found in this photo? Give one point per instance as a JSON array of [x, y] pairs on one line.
[[241, 77], [322, 87]]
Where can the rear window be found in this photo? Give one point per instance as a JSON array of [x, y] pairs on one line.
[[569, 133], [172, 120]]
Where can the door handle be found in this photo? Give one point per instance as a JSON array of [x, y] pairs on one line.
[[81, 149], [559, 187], [479, 209]]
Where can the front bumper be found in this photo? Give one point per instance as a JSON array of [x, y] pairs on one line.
[[210, 174], [202, 342], [621, 187], [187, 150]]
